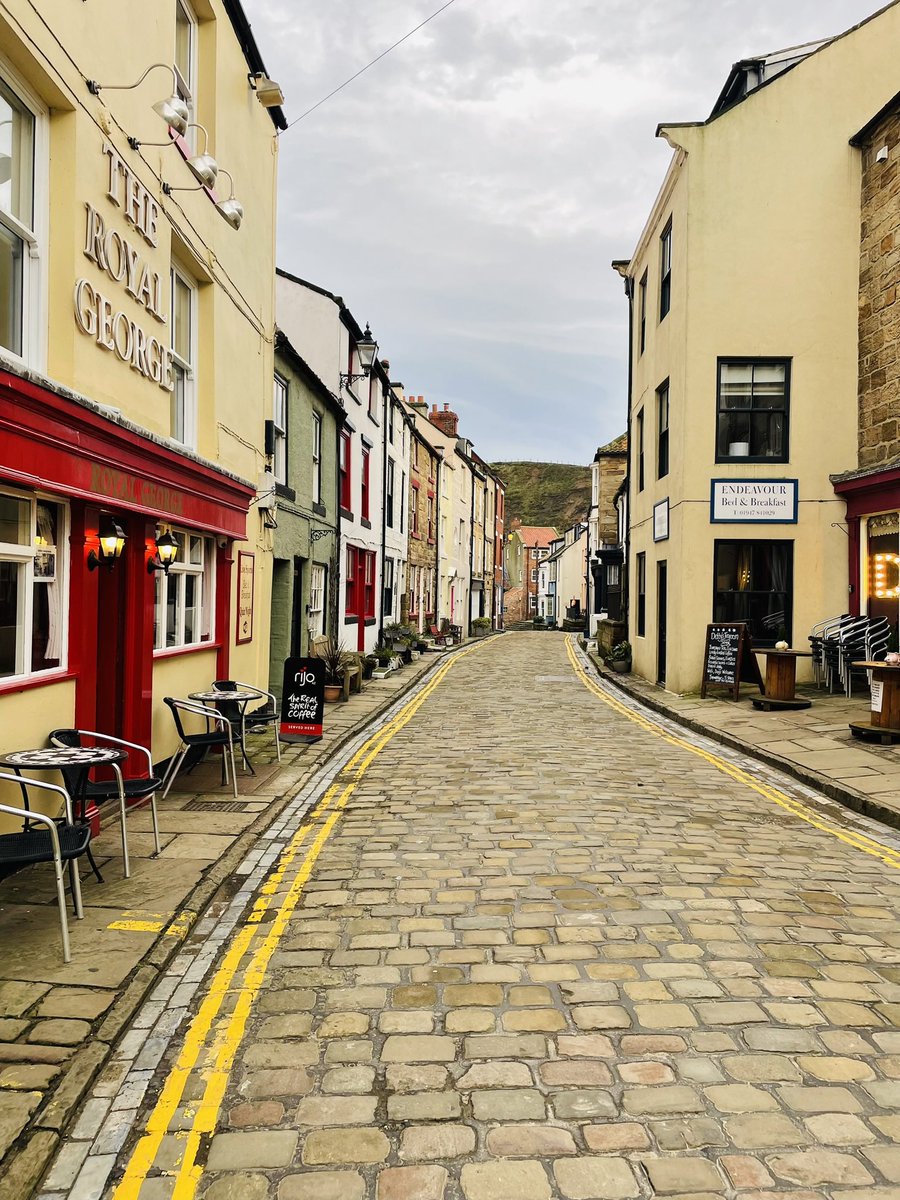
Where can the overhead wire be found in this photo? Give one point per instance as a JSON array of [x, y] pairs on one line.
[[363, 70]]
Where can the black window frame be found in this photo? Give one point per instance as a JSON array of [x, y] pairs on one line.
[[756, 361], [665, 270], [759, 638], [662, 431], [640, 449], [642, 313], [389, 485], [640, 592]]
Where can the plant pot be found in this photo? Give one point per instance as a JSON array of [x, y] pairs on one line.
[[622, 665], [333, 692]]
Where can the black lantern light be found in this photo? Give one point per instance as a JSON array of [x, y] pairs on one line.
[[111, 537], [166, 552], [366, 348]]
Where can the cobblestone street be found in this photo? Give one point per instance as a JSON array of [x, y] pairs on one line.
[[525, 945]]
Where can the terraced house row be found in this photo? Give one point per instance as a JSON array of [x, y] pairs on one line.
[[201, 470]]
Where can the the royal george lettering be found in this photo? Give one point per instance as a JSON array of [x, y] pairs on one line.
[[97, 316], [105, 481]]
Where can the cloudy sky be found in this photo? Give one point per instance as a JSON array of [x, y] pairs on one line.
[[467, 194]]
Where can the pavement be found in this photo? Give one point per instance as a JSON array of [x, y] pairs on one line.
[[58, 1021], [520, 940], [812, 744]]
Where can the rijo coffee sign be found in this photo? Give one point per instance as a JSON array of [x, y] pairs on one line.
[[767, 501]]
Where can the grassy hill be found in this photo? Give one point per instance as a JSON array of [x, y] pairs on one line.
[[545, 493]]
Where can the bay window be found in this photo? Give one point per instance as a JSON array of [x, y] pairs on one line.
[[34, 547], [183, 609]]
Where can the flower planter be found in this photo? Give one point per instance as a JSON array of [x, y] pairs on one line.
[[622, 665], [333, 692]]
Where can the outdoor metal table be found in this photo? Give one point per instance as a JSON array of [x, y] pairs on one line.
[[781, 679], [75, 761], [220, 700], [885, 723]]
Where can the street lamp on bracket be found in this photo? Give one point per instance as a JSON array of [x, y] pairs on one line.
[[366, 348]]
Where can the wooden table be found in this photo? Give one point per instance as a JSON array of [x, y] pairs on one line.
[[885, 723], [781, 680]]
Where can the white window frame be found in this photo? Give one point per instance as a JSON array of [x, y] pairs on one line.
[[532, 602], [187, 88], [317, 458], [317, 600], [34, 262], [280, 449], [205, 573], [178, 363], [23, 556]]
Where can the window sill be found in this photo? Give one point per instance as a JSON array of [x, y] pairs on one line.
[[366, 524], [178, 651], [319, 509], [285, 492], [26, 683], [347, 514], [738, 460]]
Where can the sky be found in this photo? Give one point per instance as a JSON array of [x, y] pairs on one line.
[[467, 195]]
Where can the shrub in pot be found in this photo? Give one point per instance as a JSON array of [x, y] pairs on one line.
[[620, 657], [336, 661], [480, 626]]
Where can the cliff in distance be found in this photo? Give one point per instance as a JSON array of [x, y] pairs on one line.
[[539, 493]]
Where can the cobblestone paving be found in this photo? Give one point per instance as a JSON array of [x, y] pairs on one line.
[[546, 954]]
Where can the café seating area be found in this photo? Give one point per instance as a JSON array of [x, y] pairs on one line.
[[841, 643]]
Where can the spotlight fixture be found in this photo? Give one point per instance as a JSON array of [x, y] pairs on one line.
[[173, 109], [231, 209], [204, 166], [268, 92]]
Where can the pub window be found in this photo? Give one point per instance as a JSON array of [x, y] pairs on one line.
[[34, 586], [183, 611], [183, 403], [641, 568], [19, 276], [186, 59], [662, 430], [753, 403], [754, 583], [317, 600], [665, 271]]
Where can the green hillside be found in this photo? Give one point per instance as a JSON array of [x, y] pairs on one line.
[[538, 493]]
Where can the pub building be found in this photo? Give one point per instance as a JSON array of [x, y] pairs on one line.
[[136, 366]]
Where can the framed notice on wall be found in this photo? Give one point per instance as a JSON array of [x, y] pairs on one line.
[[661, 520], [246, 564], [753, 501]]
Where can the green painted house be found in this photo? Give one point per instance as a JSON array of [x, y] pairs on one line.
[[303, 440]]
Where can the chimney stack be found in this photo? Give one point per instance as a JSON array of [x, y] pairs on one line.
[[418, 403], [447, 421]]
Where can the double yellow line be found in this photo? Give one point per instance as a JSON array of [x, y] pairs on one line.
[[216, 1036], [858, 841]]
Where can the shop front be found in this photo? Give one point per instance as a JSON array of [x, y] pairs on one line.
[[115, 569], [873, 524]]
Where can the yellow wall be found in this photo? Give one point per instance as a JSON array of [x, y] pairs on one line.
[[31, 714], [765, 209]]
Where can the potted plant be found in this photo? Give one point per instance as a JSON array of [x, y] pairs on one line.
[[480, 626], [369, 663], [620, 657], [383, 657], [336, 660], [393, 633]]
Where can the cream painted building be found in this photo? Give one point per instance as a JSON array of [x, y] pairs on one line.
[[136, 362], [743, 288]]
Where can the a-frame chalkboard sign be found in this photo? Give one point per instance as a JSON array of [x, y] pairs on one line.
[[728, 659]]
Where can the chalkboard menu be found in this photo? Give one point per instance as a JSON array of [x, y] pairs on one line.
[[302, 700], [728, 659]]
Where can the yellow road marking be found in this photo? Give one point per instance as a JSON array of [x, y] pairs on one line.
[[137, 920], [859, 841], [229, 1032]]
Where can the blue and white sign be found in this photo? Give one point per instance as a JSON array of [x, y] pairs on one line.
[[754, 501]]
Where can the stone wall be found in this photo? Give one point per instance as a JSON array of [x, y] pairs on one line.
[[613, 463], [879, 312]]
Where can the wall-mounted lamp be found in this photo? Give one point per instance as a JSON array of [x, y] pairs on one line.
[[111, 537], [268, 93], [173, 109], [166, 553], [231, 209], [366, 348], [203, 167]]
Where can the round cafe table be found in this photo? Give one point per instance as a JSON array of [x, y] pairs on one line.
[[232, 705], [781, 680], [884, 725]]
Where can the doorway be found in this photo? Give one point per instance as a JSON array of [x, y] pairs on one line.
[[661, 587]]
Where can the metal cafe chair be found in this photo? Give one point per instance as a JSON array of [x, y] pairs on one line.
[[266, 714], [220, 735], [107, 791], [46, 839]]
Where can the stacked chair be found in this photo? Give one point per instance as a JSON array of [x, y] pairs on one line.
[[839, 642]]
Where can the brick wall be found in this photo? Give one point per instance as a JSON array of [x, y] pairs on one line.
[[613, 462], [879, 312]]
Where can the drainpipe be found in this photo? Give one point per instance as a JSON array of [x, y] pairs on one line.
[[471, 548], [386, 417], [626, 608], [335, 587]]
